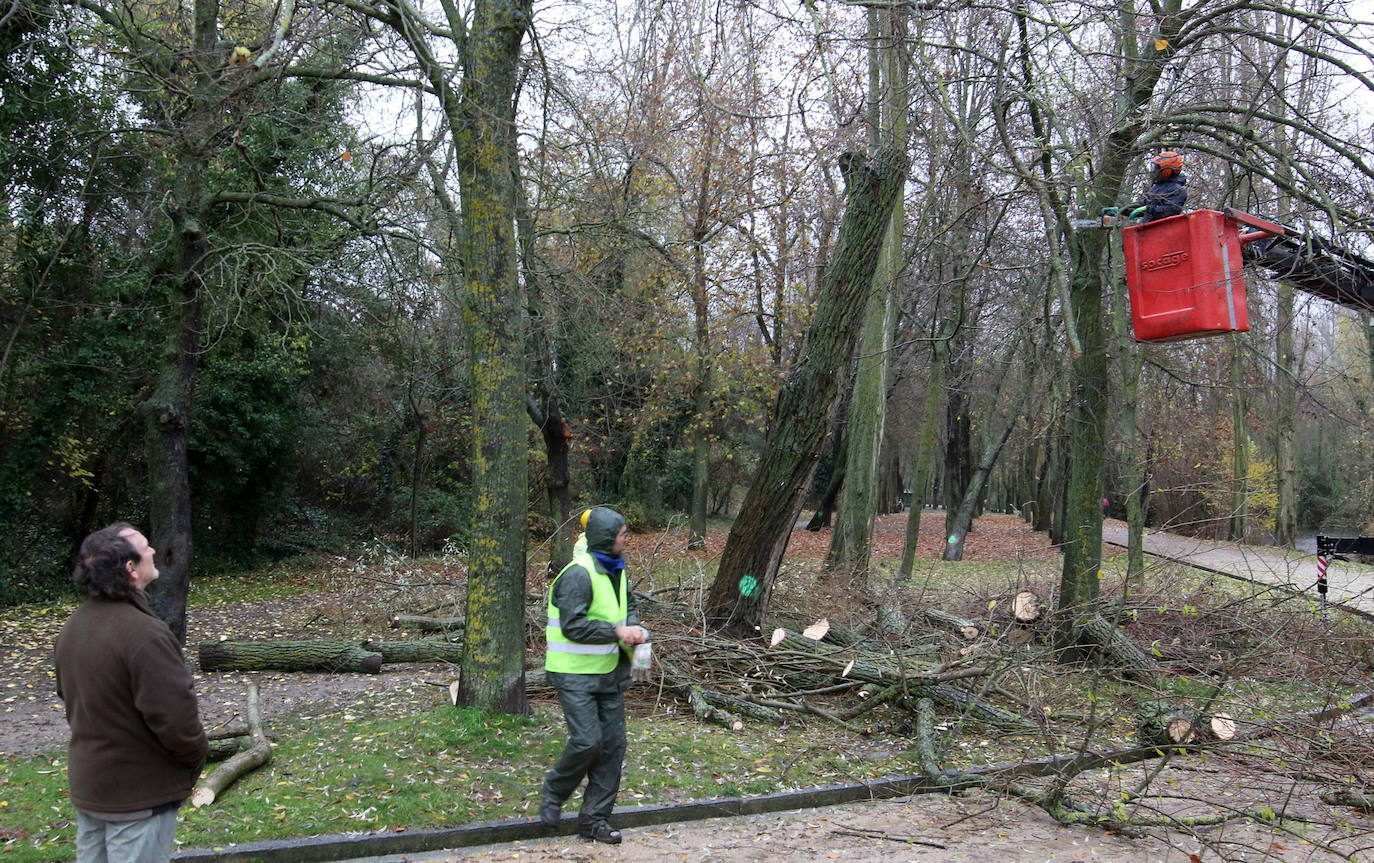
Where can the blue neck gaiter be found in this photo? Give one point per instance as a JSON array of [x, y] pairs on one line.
[[613, 563]]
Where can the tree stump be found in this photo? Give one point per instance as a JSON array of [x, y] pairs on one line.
[[1218, 726]]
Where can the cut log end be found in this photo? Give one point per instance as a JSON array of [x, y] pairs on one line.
[[1221, 726], [779, 635], [202, 797], [1180, 729], [1026, 607]]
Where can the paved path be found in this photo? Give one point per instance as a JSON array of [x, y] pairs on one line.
[[1350, 584]]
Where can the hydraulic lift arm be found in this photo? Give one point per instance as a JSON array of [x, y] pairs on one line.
[[1307, 262]]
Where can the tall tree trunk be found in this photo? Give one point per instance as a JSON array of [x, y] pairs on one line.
[[168, 415], [925, 458], [1240, 443], [1087, 437], [482, 125], [749, 564], [1132, 477], [1286, 386], [168, 409], [851, 542], [958, 462], [1285, 413], [1140, 72]]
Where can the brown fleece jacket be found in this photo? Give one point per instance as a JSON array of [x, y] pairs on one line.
[[137, 741]]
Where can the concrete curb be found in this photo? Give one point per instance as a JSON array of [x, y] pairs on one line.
[[320, 849]]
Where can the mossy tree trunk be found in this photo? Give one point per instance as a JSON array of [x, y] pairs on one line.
[[851, 542], [482, 126], [480, 115], [1133, 485], [1143, 61], [749, 564]]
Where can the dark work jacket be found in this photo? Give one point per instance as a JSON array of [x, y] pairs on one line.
[[137, 741], [1166, 198], [572, 593]]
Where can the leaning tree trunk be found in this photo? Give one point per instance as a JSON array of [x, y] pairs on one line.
[[839, 421], [755, 547], [851, 542]]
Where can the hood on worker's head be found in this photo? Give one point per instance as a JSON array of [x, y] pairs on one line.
[[603, 526]]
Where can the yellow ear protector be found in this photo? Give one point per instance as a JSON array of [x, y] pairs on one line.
[[585, 513]]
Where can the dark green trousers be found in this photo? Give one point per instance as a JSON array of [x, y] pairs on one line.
[[595, 749]]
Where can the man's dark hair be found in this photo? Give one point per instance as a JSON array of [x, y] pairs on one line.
[[101, 564]]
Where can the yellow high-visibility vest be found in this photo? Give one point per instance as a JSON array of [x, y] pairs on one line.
[[608, 604]]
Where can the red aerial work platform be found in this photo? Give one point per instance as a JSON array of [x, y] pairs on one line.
[[1185, 277]]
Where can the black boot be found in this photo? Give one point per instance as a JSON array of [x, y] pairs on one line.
[[550, 813], [599, 831]]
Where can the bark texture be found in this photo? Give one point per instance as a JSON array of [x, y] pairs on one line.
[[749, 564]]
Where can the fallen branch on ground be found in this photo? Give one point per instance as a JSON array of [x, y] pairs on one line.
[[244, 762]]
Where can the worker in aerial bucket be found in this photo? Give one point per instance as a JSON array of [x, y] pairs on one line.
[[1168, 190]]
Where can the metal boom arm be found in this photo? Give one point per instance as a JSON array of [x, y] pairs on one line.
[[1308, 262]]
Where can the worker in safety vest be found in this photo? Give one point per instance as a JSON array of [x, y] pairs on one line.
[[1168, 189], [592, 627]]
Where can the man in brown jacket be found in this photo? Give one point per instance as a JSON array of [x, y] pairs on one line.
[[137, 743]]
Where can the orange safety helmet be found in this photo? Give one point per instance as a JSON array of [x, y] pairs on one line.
[[1166, 164]]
